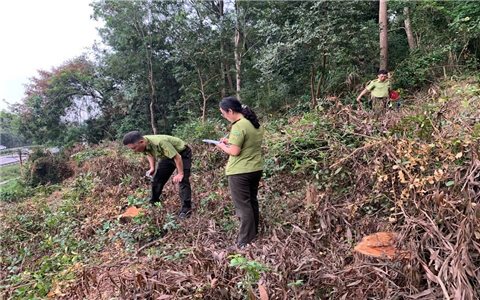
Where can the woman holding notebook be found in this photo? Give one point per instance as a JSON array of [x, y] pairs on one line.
[[245, 165]]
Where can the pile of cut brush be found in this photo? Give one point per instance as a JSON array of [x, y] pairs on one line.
[[408, 185]]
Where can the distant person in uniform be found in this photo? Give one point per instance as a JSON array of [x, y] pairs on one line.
[[171, 153], [379, 89], [245, 165]]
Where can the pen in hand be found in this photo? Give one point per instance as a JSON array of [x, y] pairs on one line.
[[224, 140]]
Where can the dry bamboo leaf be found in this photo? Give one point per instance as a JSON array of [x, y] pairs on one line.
[[213, 283], [421, 294]]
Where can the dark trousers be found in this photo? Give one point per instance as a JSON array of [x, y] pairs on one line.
[[165, 168], [244, 190]]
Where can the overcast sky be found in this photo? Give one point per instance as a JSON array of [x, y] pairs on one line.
[[39, 35]]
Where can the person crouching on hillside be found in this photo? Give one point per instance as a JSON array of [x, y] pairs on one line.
[[172, 153], [245, 165], [379, 89]]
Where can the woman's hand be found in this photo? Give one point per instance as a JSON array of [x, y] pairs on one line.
[[230, 149], [222, 145], [150, 172]]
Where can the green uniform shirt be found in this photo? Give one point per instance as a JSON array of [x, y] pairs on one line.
[[379, 89], [163, 146], [249, 139]]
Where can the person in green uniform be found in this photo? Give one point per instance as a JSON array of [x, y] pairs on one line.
[[379, 89], [172, 153], [245, 165]]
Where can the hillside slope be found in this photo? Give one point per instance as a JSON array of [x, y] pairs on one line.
[[332, 176]]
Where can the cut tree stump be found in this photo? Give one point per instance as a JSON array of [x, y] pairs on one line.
[[130, 213], [381, 245]]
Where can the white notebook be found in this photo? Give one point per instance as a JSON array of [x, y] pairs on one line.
[[211, 142]]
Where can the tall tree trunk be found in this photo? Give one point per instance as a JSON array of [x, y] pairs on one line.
[[153, 96], [238, 62], [313, 99], [223, 73], [382, 22], [322, 76], [238, 54], [204, 97], [152, 93], [408, 29], [229, 76], [150, 77]]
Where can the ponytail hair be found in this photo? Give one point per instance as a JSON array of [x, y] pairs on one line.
[[235, 105]]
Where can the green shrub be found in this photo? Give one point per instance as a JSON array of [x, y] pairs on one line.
[[45, 168], [88, 154], [252, 268], [196, 129], [419, 68], [416, 126], [300, 147]]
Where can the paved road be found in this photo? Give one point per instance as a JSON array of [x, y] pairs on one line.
[[6, 160]]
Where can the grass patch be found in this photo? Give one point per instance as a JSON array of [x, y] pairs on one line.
[[12, 189], [9, 172]]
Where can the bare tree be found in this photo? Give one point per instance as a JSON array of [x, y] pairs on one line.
[[202, 89]]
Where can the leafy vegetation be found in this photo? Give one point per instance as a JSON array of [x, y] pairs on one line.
[[9, 172], [44, 167], [252, 269], [333, 175], [196, 130]]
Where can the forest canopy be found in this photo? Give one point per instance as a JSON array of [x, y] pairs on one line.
[[164, 64]]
